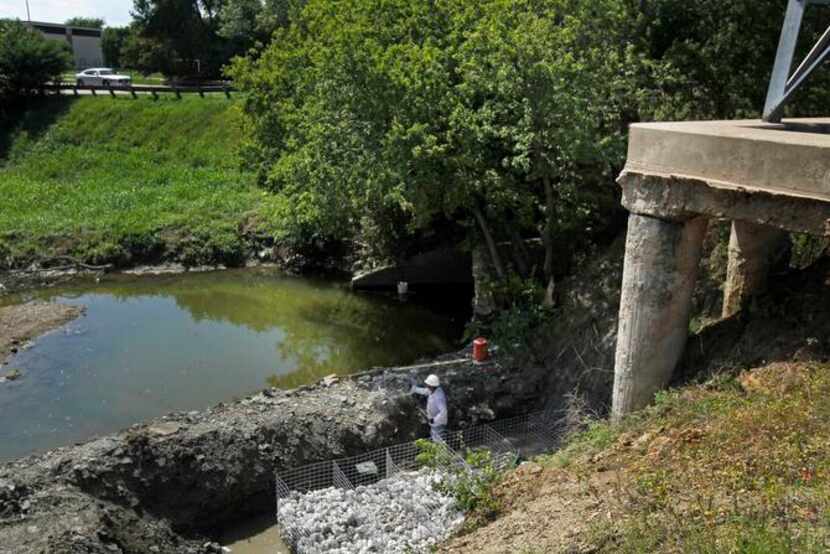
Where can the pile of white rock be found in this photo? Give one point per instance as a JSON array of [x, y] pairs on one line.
[[401, 514]]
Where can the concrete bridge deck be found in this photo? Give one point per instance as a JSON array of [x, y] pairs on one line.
[[767, 178]]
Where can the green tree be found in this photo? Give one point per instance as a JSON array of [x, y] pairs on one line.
[[90, 22], [276, 14], [475, 112], [112, 44], [238, 20], [28, 60], [250, 23], [177, 37], [711, 59], [537, 93], [380, 119]]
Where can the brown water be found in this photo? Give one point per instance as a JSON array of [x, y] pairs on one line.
[[258, 536]]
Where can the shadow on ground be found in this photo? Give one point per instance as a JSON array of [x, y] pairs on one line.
[[32, 116]]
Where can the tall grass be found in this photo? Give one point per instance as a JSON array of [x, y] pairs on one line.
[[119, 179]]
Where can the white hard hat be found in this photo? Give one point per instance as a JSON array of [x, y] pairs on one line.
[[432, 381]]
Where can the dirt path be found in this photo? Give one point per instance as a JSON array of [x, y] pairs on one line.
[[23, 322], [546, 510]]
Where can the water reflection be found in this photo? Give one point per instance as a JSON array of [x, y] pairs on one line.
[[152, 345]]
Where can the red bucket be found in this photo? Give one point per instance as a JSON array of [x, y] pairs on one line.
[[480, 353]]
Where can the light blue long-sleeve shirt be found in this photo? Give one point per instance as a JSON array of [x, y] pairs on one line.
[[436, 405]]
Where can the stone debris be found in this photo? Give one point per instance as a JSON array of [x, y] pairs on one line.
[[401, 514], [193, 470], [329, 380], [164, 429]]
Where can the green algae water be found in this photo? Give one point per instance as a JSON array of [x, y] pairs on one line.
[[151, 345]]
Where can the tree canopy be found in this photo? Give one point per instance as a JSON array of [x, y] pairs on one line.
[[189, 37], [91, 22], [497, 120], [113, 40], [176, 37], [28, 60], [374, 113]]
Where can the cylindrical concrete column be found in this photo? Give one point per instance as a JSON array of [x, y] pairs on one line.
[[753, 249], [661, 259]]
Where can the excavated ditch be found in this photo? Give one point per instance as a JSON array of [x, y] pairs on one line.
[[174, 484]]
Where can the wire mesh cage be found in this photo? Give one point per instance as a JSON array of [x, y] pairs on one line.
[[309, 478], [483, 437], [402, 457], [533, 434], [303, 480], [504, 440], [364, 469]]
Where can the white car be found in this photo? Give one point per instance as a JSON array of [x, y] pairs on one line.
[[102, 77]]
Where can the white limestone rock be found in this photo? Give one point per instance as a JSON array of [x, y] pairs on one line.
[[401, 514]]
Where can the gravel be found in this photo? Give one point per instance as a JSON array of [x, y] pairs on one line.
[[401, 514]]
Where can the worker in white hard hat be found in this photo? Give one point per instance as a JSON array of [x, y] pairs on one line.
[[436, 406]]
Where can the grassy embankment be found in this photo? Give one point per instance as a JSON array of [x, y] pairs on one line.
[[124, 181], [735, 465]]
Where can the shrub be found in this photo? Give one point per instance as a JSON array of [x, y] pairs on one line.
[[472, 485], [28, 60]]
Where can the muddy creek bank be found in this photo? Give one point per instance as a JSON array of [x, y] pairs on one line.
[[176, 483], [19, 324]]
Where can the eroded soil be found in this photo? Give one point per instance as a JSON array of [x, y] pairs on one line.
[[24, 322], [544, 510], [737, 464]]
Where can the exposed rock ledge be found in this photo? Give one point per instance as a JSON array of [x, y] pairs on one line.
[[172, 484]]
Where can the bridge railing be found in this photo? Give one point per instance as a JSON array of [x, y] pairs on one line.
[[135, 90]]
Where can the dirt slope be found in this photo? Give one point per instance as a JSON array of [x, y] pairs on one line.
[[739, 464]]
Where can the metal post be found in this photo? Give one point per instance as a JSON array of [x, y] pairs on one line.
[[782, 85], [390, 471], [784, 59]]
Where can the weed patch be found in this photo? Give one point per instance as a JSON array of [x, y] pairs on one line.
[[738, 466], [472, 484], [735, 465]]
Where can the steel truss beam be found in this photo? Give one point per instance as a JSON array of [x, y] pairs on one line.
[[782, 85]]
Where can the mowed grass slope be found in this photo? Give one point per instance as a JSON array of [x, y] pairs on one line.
[[126, 181]]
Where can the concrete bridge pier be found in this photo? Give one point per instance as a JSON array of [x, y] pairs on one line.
[[753, 249], [659, 277], [769, 179]]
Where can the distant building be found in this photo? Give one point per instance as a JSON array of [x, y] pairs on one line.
[[85, 42]]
